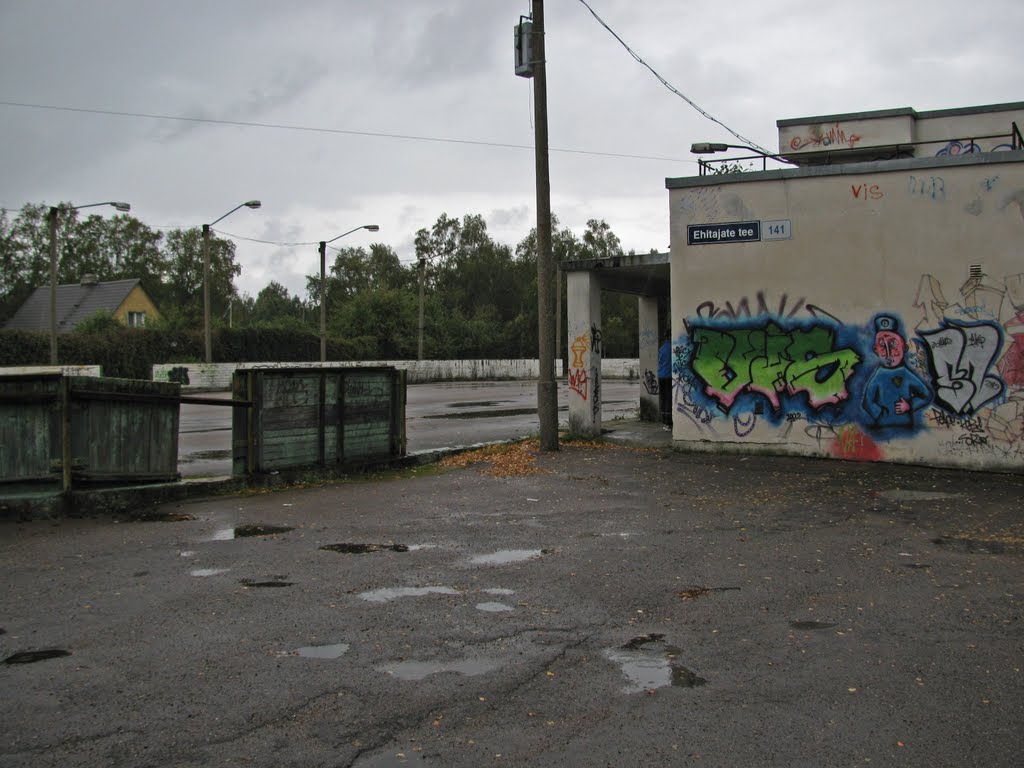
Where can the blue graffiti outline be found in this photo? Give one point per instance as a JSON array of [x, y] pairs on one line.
[[746, 402]]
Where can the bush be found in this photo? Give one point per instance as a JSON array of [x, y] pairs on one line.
[[131, 353]]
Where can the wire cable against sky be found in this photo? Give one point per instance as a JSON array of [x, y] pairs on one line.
[[669, 85], [341, 131]]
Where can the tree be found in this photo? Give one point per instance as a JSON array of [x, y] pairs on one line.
[[275, 307], [110, 248], [183, 290], [599, 242]]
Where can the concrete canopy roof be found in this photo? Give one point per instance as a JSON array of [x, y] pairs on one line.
[[644, 274]]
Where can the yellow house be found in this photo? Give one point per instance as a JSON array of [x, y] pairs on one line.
[[126, 300]]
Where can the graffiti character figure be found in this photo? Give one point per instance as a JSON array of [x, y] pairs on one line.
[[894, 392]]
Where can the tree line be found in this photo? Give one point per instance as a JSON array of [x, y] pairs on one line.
[[479, 295]]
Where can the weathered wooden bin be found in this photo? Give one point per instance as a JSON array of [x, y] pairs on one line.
[[309, 417], [71, 430]]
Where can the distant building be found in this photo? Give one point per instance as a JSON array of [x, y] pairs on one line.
[[126, 300], [864, 302]]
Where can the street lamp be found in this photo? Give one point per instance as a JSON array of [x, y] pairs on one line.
[[52, 221], [323, 284], [710, 148], [207, 341]]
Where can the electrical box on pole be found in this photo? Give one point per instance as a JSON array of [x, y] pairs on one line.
[[524, 47]]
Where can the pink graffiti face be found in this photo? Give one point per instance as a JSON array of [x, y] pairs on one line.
[[890, 347]]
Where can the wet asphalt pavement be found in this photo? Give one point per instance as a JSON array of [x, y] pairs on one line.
[[438, 415], [624, 608]]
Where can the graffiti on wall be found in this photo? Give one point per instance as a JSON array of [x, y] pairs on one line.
[[650, 382], [685, 388], [927, 187], [821, 138], [783, 308], [968, 147], [962, 358], [577, 373], [772, 361], [894, 393]]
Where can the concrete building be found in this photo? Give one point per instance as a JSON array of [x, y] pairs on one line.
[[865, 303]]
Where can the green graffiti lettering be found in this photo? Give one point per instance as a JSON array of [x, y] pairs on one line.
[[772, 361]]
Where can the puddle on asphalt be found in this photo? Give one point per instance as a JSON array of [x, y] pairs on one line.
[[418, 670], [484, 414], [498, 591], [972, 546], [206, 456], [494, 607], [186, 553], [242, 531], [362, 549], [270, 583], [395, 758], [331, 651], [811, 625], [225, 534], [31, 657], [900, 494], [649, 662], [393, 593], [917, 566], [506, 556], [162, 517], [478, 403], [202, 572]]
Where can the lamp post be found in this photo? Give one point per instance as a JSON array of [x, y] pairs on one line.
[[207, 339], [710, 148], [323, 284], [52, 221]]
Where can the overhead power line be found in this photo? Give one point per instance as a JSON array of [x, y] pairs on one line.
[[669, 85], [338, 131]]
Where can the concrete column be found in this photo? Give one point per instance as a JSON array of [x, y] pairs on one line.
[[585, 348], [647, 313]]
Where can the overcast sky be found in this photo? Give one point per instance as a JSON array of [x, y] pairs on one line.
[[443, 69]]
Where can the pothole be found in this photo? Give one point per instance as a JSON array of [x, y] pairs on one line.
[[205, 572], [648, 662], [506, 556], [418, 670], [31, 657], [257, 529], [270, 583], [494, 607], [387, 594], [162, 517], [975, 546], [692, 593], [329, 651], [363, 549], [902, 494], [811, 626]]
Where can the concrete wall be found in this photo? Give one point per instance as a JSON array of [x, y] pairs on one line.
[[67, 370], [217, 376], [954, 131], [778, 341]]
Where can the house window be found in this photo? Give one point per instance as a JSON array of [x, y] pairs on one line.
[[136, 319]]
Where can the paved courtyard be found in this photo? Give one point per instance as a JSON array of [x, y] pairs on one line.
[[618, 607]]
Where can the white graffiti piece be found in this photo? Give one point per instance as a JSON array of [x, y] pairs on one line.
[[961, 358]]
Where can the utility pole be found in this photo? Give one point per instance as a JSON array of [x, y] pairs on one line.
[[547, 388], [207, 337], [323, 301], [51, 219], [423, 270]]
